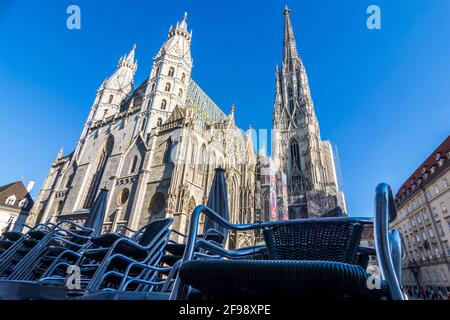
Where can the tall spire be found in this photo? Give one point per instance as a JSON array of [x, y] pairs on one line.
[[289, 46], [132, 54], [181, 28], [183, 24], [129, 60]]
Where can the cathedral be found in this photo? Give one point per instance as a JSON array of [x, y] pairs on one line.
[[155, 148]]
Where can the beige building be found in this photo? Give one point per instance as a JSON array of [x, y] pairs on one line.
[[424, 221]]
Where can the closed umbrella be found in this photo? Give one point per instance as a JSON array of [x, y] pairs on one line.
[[97, 213], [218, 201]]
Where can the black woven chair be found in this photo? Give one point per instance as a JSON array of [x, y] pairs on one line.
[[309, 259], [334, 240]]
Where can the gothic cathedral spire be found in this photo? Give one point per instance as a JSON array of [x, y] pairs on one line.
[[297, 146], [170, 76], [289, 46]]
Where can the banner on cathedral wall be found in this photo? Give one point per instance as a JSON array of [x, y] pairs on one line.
[[269, 190]]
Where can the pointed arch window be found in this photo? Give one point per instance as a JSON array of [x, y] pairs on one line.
[[153, 87], [201, 163], [111, 98], [295, 153], [98, 173], [168, 87], [134, 164], [290, 92], [159, 122], [193, 154], [171, 72], [183, 78], [59, 207], [168, 151], [164, 104], [157, 204], [291, 106], [180, 93], [144, 122]]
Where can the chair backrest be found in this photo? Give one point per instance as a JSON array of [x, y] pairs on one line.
[[154, 230], [314, 240], [214, 235]]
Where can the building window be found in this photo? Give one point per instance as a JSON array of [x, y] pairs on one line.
[[436, 189], [202, 161], [144, 122], [164, 104], [435, 213], [159, 122], [440, 229], [23, 203], [445, 181], [59, 207], [180, 93], [295, 153], [171, 72], [168, 87], [447, 247], [183, 78], [193, 154], [11, 200], [443, 207], [134, 164], [290, 92], [291, 106], [153, 87], [157, 206], [111, 98], [123, 196], [168, 151]]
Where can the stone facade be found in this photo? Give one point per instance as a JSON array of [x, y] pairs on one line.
[[424, 221], [155, 148]]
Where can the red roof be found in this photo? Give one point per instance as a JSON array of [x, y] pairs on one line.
[[439, 158]]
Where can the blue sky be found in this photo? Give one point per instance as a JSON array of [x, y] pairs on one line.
[[381, 96]]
